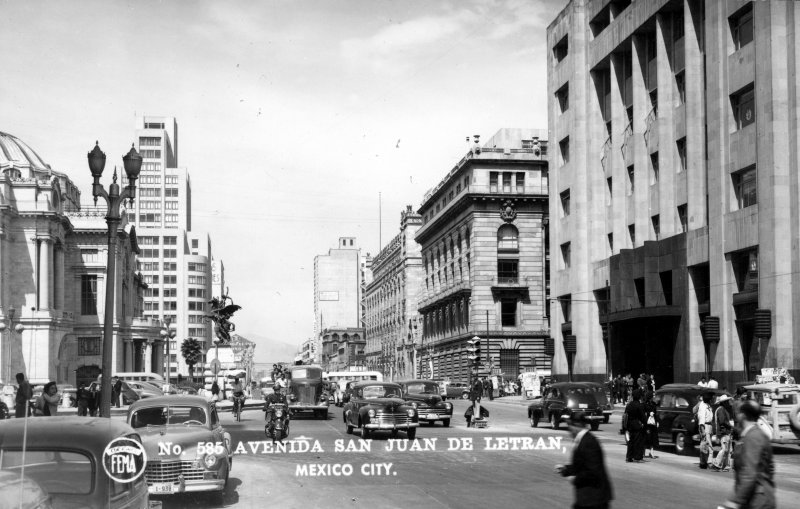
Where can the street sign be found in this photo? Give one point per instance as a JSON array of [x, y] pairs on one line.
[[215, 366]]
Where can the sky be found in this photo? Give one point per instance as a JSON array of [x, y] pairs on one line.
[[299, 121]]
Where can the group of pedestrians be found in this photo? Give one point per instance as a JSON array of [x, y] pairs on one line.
[[622, 387], [640, 423]]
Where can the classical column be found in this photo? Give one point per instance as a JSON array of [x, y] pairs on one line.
[[127, 356], [58, 298], [44, 273]]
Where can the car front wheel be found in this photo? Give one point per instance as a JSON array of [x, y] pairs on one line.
[[348, 426], [553, 421], [411, 433], [446, 423], [465, 395], [595, 425], [534, 420]]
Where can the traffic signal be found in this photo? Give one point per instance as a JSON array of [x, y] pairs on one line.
[[474, 351]]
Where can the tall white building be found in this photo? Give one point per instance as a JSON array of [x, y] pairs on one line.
[[175, 261]]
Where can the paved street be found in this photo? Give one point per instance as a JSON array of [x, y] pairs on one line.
[[496, 472]]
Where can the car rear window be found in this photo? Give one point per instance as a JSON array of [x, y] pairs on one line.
[[168, 415], [423, 388], [57, 472]]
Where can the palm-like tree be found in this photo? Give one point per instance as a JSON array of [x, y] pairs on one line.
[[192, 351]]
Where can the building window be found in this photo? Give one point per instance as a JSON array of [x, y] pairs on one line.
[[149, 142], [88, 294], [566, 307], [492, 181], [744, 185], [170, 305], [170, 253], [654, 168], [88, 346], [89, 255], [631, 180], [520, 182], [170, 205], [666, 286], [507, 238], [682, 218], [168, 280], [151, 292], [170, 241], [562, 96], [610, 243], [149, 218], [563, 145], [638, 284], [151, 279], [151, 306], [508, 312], [147, 241], [171, 192], [561, 49], [742, 27], [656, 221], [565, 203], [632, 233], [197, 280], [149, 192], [170, 292], [566, 254], [151, 154], [744, 107], [506, 182], [195, 243], [509, 363], [508, 271], [681, 145], [610, 188], [171, 179], [170, 266], [680, 85]]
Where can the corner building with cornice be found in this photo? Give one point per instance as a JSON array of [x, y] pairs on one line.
[[485, 260]]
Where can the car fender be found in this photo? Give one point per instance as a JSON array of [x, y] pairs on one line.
[[794, 418]]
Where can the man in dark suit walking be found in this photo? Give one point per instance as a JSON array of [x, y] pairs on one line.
[[753, 464], [593, 488]]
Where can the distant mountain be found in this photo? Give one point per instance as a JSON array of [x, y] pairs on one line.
[[270, 350]]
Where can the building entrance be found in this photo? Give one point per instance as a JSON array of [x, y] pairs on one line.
[[645, 345]]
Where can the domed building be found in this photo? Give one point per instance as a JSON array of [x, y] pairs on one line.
[[52, 278]]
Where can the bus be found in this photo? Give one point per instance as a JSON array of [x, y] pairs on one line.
[[307, 391], [142, 376], [341, 378]]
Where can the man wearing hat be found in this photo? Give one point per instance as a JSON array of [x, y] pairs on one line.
[[722, 427], [593, 488]]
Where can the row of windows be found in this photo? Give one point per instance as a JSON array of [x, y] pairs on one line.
[[510, 180], [446, 199], [151, 167], [154, 253], [150, 192], [150, 154], [149, 141], [197, 292], [154, 279], [197, 267], [197, 332]]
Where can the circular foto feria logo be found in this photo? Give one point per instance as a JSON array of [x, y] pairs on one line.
[[124, 460]]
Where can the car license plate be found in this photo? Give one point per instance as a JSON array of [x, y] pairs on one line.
[[432, 416], [162, 487], [583, 405], [155, 504]]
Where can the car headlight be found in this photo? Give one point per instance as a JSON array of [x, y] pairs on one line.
[[411, 412], [323, 398], [371, 412], [570, 403], [209, 460], [448, 406], [414, 404], [278, 413]]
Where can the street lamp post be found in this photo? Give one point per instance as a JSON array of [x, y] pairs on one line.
[[132, 162], [168, 334]]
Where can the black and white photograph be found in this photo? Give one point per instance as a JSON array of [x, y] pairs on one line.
[[399, 254]]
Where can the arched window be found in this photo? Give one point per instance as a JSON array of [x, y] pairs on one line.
[[507, 238]]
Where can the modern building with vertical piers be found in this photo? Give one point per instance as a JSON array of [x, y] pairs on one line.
[[676, 136]]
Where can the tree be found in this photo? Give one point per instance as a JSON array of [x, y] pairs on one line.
[[192, 351]]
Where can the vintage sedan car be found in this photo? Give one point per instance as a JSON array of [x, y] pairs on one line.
[[602, 398], [373, 406], [144, 390], [200, 457], [560, 400], [64, 456], [424, 396], [456, 390], [780, 410], [675, 409]]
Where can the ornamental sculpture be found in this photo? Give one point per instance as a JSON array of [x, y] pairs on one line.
[[507, 211], [222, 310]]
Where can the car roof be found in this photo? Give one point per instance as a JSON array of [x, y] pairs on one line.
[[366, 383], [92, 433], [171, 399]]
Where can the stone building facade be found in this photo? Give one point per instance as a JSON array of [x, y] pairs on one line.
[[52, 276], [485, 259], [391, 299], [677, 148]]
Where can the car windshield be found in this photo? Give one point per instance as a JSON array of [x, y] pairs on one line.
[[423, 388], [182, 415], [55, 471], [380, 391], [578, 390]]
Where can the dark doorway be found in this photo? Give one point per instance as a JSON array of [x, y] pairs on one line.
[[645, 345], [86, 374]]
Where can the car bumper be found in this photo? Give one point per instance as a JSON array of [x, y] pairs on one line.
[[586, 417], [304, 407], [433, 417], [186, 487], [384, 425]]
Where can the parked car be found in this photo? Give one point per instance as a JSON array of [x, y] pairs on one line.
[[373, 406], [191, 423], [424, 396], [128, 394], [64, 456], [780, 410], [602, 398], [675, 413], [8, 402], [33, 496], [144, 390], [560, 400], [456, 390]]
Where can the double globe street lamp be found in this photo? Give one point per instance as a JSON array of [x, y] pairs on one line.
[[168, 334], [132, 162]]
